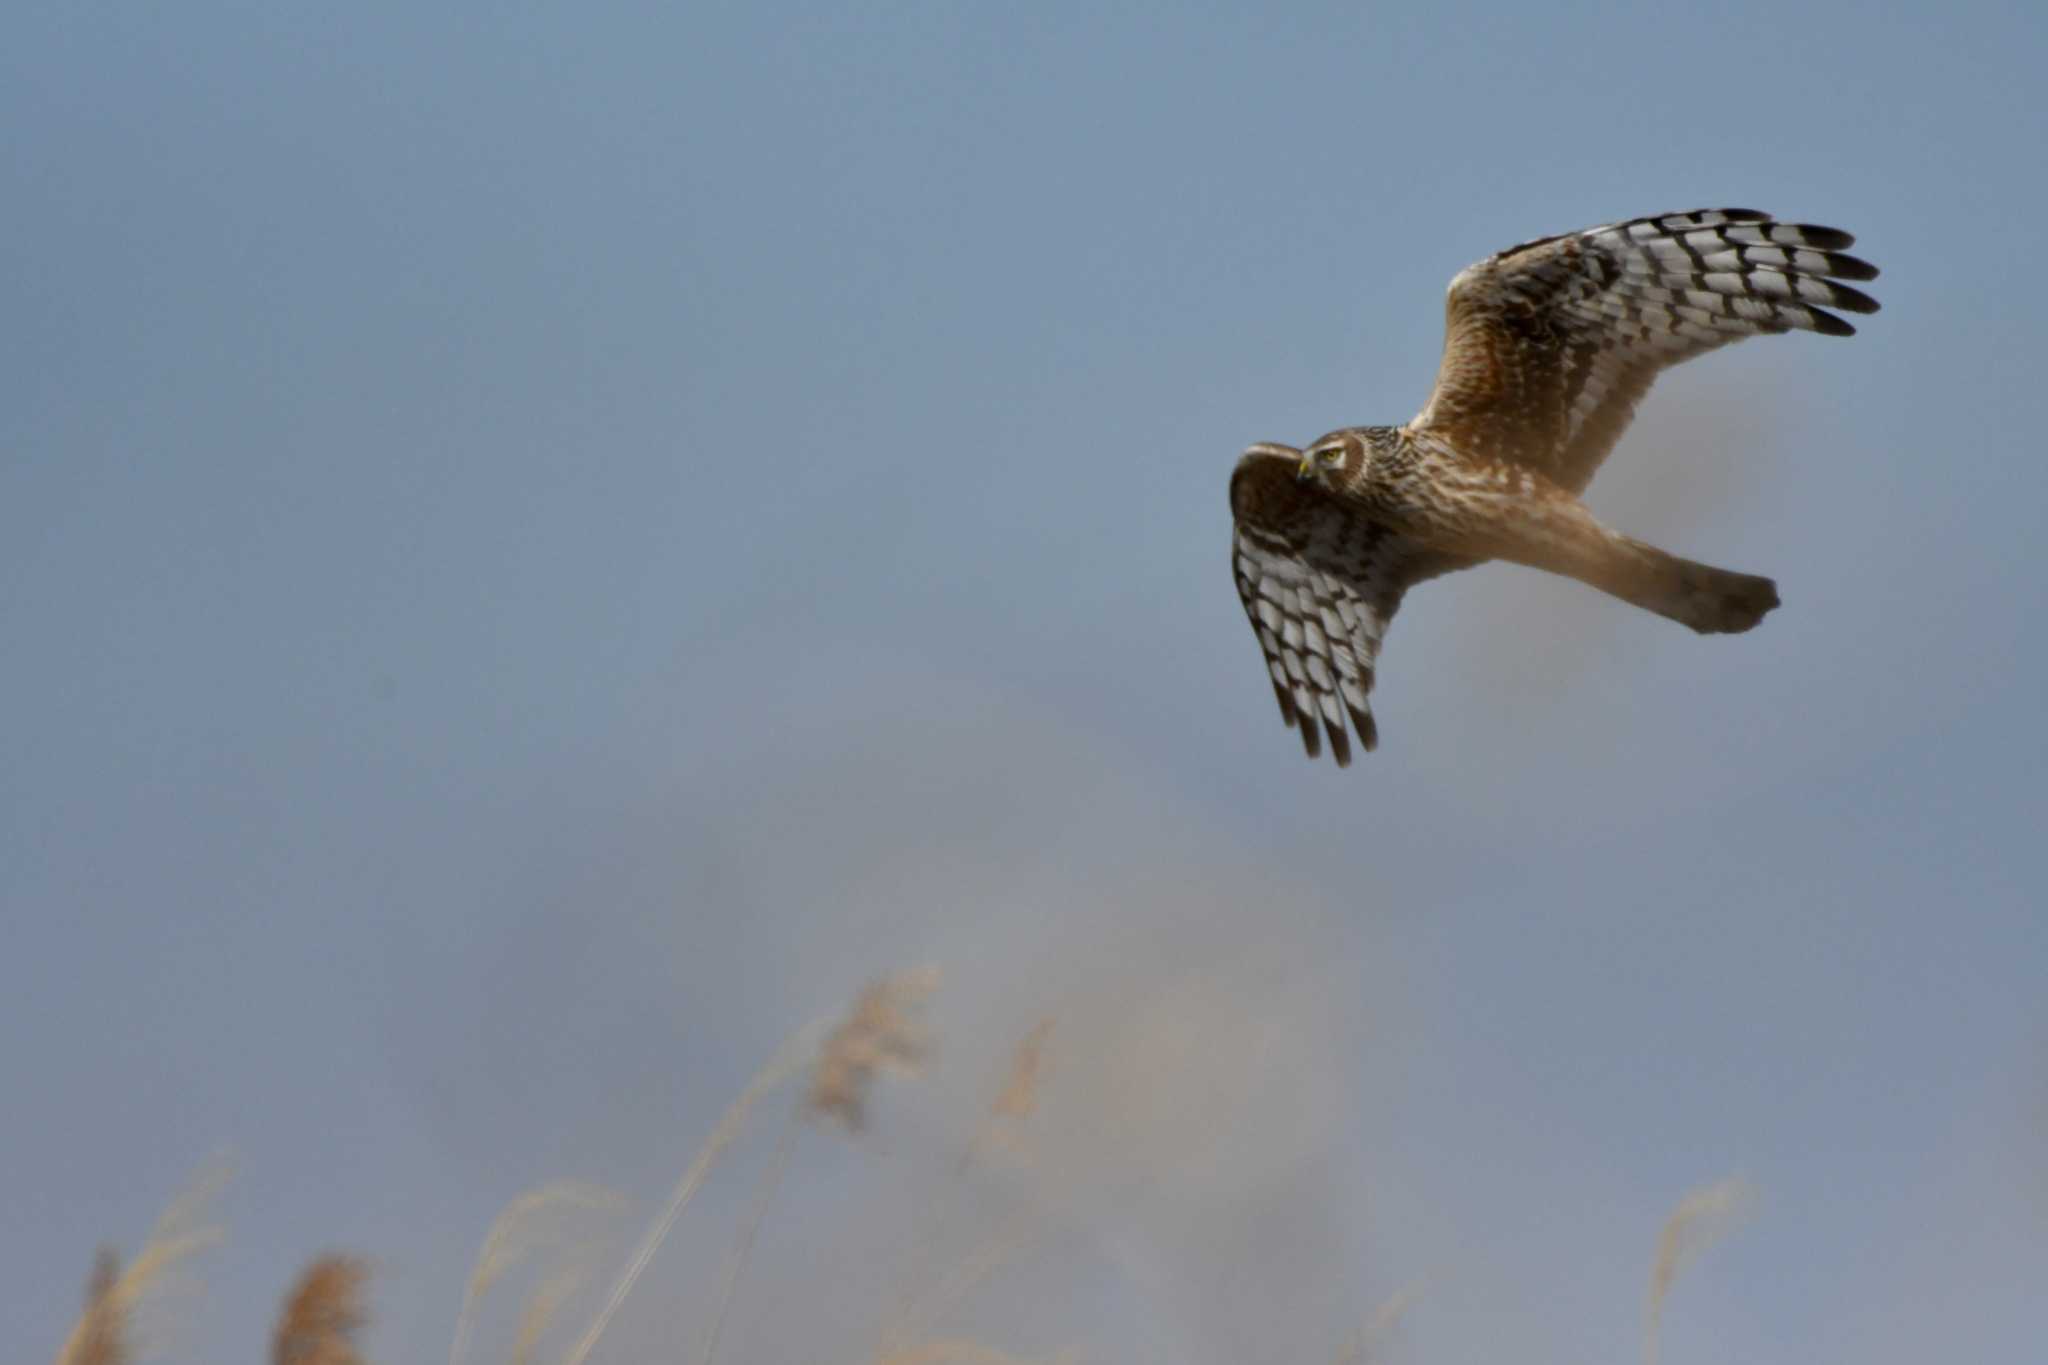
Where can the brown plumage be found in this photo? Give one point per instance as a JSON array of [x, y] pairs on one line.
[[1548, 347]]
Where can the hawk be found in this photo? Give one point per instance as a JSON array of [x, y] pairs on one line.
[[1548, 347]]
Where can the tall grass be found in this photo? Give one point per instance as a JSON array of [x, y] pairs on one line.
[[105, 1333], [527, 1224], [325, 1310]]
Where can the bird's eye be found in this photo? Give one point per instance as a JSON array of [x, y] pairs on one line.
[[1331, 455]]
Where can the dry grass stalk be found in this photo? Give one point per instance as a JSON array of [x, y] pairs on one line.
[[103, 1327], [542, 1305], [917, 1314], [521, 1226], [1014, 1103], [881, 1033], [736, 1263], [786, 1063], [1017, 1101], [1365, 1343], [1696, 1224], [322, 1314], [101, 1336]]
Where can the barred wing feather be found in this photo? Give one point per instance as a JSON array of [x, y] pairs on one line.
[[1549, 345], [1320, 584]]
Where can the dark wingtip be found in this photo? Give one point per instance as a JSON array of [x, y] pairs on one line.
[[1827, 324], [1368, 730], [1853, 300], [1280, 694], [1826, 238], [1850, 267], [1311, 735], [1340, 743]]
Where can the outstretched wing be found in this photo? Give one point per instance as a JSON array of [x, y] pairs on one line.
[[1320, 583], [1549, 345]]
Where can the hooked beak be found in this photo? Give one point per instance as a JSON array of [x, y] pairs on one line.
[[1306, 470]]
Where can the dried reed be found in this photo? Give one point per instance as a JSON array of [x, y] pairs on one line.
[[882, 1033], [1696, 1224], [516, 1231], [743, 1249], [101, 1336], [1365, 1342], [540, 1309], [1015, 1102], [788, 1060], [322, 1314], [102, 1333], [917, 1313], [1018, 1099]]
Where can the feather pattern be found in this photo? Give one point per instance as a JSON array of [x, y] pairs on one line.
[[1320, 585], [1549, 346]]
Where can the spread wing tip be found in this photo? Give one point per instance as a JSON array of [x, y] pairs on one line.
[[1368, 730], [1340, 742], [1311, 735], [1318, 587], [1315, 730]]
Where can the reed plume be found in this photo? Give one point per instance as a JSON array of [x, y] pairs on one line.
[[883, 1032], [1696, 1224], [1017, 1101], [103, 1334], [322, 1314]]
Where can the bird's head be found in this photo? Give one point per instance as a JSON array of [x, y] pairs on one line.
[[1333, 459]]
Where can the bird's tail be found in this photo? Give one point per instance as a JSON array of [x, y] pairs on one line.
[[1712, 601], [1502, 512]]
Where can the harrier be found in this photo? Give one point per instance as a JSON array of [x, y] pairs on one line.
[[1548, 347]]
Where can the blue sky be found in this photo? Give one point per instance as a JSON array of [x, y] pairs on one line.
[[540, 550]]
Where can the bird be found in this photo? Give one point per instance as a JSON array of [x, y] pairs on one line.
[[1548, 348]]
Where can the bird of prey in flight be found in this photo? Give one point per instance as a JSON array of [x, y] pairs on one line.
[[1548, 347]]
